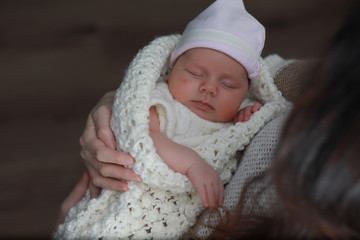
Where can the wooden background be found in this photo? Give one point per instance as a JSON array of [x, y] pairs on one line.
[[58, 57]]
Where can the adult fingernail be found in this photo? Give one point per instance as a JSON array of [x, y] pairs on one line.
[[137, 178], [123, 188], [129, 160]]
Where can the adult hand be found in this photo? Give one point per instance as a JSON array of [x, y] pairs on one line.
[[106, 166]]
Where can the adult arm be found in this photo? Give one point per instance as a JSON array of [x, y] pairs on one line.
[[186, 161], [98, 149], [74, 197]]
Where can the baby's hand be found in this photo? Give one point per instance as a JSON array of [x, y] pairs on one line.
[[208, 184], [245, 113]]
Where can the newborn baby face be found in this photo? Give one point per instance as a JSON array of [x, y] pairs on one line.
[[210, 83]]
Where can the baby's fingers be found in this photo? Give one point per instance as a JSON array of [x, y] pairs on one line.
[[239, 117], [203, 195], [212, 191], [215, 194], [247, 113], [255, 107]]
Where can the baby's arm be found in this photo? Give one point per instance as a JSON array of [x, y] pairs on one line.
[[186, 161], [245, 113]]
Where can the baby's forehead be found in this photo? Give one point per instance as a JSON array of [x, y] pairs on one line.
[[204, 54], [201, 57]]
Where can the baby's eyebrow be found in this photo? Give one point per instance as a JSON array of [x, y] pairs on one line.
[[232, 77], [197, 64]]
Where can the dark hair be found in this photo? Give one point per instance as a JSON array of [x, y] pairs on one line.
[[316, 167]]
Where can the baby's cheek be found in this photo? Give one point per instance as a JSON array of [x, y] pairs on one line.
[[231, 115]]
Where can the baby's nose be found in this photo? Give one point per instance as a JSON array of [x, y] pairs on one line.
[[208, 87]]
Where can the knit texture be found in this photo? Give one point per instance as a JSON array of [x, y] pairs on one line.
[[255, 159], [165, 204]]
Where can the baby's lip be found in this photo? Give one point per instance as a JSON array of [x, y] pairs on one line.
[[202, 105]]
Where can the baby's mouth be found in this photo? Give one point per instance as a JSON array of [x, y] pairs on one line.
[[202, 105]]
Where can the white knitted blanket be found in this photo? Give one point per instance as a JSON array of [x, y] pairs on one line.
[[165, 204]]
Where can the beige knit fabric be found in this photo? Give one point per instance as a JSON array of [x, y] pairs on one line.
[[292, 78], [290, 75], [254, 159]]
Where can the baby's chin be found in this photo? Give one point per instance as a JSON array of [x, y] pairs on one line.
[[209, 117]]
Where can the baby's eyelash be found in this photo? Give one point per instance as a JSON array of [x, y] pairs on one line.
[[228, 84], [196, 74]]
